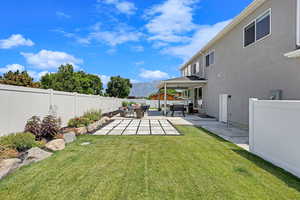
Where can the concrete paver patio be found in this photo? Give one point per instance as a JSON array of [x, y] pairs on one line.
[[235, 135], [138, 127]]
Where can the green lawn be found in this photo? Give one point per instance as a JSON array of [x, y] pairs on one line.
[[197, 165]]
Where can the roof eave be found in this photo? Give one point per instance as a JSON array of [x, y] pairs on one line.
[[237, 20]]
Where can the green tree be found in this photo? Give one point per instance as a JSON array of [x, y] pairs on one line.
[[67, 80], [118, 87], [19, 79]]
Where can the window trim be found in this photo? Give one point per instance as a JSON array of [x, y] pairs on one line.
[[255, 23], [210, 52]]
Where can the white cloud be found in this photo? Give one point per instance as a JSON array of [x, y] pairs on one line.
[[170, 20], [12, 67], [124, 7], [134, 81], [105, 79], [14, 41], [203, 35], [138, 48], [62, 15], [46, 59], [78, 39], [116, 35], [111, 51], [153, 75], [114, 38], [37, 75], [139, 63]]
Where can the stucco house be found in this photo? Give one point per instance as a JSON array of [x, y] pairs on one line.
[[256, 55]]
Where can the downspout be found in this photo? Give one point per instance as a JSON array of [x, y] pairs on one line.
[[298, 24]]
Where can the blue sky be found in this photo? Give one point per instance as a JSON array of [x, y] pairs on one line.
[[140, 40]]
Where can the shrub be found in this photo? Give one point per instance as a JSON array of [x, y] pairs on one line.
[[125, 103], [93, 115], [33, 126], [50, 127], [19, 141], [79, 122]]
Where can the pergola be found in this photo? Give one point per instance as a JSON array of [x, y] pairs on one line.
[[185, 82]]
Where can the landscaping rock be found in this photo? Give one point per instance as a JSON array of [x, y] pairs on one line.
[[80, 131], [7, 166], [92, 127], [56, 145], [34, 155], [105, 119], [69, 137]]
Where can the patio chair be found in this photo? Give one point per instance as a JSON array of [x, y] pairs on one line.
[[177, 108]]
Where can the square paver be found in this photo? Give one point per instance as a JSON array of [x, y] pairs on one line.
[[172, 133], [143, 132], [115, 132], [129, 132], [102, 132]]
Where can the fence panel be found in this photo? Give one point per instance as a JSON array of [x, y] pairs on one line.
[[274, 132]]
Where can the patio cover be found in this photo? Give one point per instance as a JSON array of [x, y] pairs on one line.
[[185, 82]]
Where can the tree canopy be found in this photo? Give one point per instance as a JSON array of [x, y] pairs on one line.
[[118, 87], [18, 78], [67, 80]]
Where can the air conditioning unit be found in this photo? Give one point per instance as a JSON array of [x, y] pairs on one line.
[[276, 95]]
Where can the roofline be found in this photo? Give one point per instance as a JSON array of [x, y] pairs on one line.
[[237, 20], [161, 84]]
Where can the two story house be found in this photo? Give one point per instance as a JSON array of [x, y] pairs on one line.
[[256, 56]]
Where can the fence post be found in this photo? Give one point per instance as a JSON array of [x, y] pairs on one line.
[[51, 107], [251, 122], [75, 104]]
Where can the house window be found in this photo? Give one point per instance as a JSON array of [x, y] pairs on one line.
[[258, 29], [263, 27], [210, 59], [194, 70], [249, 34]]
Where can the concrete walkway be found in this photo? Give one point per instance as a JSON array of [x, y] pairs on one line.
[[235, 135]]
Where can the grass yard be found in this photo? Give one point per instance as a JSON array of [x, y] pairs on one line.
[[197, 165]]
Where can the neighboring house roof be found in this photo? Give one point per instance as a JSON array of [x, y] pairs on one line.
[[237, 20]]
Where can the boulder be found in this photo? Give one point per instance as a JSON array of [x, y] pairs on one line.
[[8, 166], [105, 119], [69, 137], [80, 131], [56, 145], [34, 155], [92, 127]]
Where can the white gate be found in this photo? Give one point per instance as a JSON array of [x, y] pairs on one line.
[[223, 106]]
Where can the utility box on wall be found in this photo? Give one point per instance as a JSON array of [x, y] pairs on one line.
[[276, 95]]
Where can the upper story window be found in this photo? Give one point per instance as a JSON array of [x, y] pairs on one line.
[[258, 29], [194, 69], [210, 59]]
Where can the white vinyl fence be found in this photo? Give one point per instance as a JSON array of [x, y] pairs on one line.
[[17, 104], [274, 131]]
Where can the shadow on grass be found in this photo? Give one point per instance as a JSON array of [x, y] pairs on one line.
[[288, 178]]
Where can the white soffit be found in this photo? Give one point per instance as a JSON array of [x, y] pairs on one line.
[[245, 13]]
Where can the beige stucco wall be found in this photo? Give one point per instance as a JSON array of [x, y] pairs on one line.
[[255, 70]]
